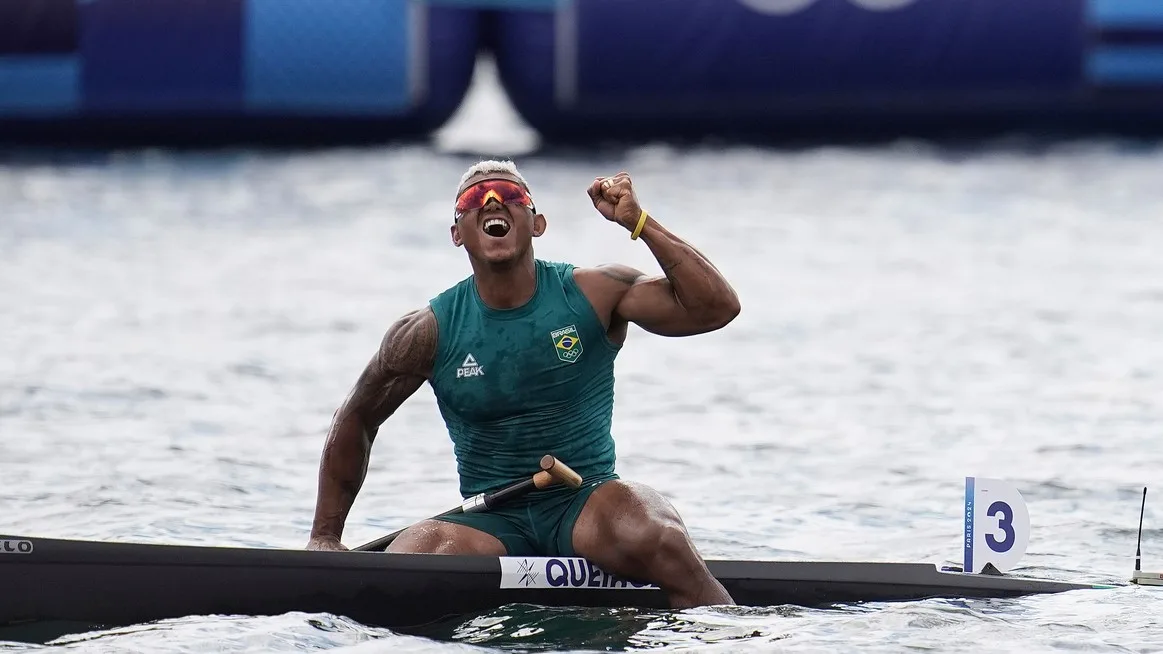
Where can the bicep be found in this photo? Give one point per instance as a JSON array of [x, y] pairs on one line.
[[397, 370], [650, 303], [378, 394]]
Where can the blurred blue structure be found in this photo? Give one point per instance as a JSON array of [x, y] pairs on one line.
[[231, 70], [327, 70]]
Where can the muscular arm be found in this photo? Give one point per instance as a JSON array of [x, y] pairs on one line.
[[398, 369], [691, 297]]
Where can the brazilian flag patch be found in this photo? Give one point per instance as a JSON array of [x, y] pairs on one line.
[[567, 343]]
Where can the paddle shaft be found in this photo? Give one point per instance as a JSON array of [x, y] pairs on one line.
[[477, 503], [552, 472]]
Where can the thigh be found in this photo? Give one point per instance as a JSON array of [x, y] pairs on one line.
[[444, 537], [631, 530], [559, 538]]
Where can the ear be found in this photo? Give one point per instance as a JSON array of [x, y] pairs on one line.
[[456, 240], [539, 225]]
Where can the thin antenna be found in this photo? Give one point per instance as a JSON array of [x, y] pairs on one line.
[[1138, 576], [1139, 540]]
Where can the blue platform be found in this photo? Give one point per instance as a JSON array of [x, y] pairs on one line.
[[383, 69], [201, 69], [832, 66]]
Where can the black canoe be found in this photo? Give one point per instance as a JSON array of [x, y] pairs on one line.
[[89, 584]]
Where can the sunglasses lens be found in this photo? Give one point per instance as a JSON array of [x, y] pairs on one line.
[[476, 196]]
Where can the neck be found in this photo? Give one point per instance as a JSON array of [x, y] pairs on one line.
[[508, 285]]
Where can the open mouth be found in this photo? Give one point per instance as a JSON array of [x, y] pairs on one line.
[[496, 227]]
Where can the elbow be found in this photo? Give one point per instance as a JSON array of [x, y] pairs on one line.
[[722, 312], [732, 307]]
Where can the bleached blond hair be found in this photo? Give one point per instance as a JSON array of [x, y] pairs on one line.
[[493, 166]]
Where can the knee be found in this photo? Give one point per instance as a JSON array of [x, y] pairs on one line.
[[428, 537], [662, 543], [444, 541]]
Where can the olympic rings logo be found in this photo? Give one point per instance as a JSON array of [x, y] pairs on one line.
[[788, 7]]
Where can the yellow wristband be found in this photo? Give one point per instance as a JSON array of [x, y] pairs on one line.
[[638, 229]]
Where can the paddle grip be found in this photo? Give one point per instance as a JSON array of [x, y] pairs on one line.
[[560, 471]]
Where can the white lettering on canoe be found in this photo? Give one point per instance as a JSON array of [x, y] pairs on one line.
[[563, 572], [15, 546]]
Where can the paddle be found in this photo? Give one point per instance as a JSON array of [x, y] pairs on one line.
[[552, 472]]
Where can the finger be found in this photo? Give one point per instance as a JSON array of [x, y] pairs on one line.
[[615, 181], [600, 201], [620, 184], [595, 190]]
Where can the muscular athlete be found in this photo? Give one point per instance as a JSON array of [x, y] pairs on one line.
[[520, 356]]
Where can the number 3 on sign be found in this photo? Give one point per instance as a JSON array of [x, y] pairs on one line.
[[997, 524]]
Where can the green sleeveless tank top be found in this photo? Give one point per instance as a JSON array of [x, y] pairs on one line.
[[513, 385]]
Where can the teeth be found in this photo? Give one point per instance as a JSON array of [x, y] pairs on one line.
[[492, 222]]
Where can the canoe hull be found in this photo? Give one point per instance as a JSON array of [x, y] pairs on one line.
[[116, 584]]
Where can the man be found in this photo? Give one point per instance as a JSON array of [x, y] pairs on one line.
[[520, 356]]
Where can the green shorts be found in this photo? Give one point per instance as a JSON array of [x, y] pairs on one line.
[[541, 525]]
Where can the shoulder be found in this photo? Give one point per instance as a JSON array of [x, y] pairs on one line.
[[605, 286], [614, 271], [609, 274], [452, 291], [562, 269], [409, 345], [451, 302]]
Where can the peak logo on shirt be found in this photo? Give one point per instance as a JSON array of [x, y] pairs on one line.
[[470, 368], [567, 343]]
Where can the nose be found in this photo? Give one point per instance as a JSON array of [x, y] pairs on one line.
[[492, 204]]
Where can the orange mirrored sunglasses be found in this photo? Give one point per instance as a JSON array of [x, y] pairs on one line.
[[502, 190]]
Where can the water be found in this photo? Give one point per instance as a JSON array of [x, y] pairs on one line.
[[178, 329]]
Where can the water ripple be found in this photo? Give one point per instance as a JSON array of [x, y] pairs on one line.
[[179, 330]]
